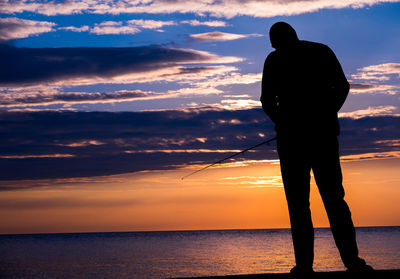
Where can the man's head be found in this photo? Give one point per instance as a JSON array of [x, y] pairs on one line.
[[282, 36]]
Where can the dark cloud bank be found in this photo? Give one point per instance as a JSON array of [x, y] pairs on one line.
[[97, 142], [25, 66]]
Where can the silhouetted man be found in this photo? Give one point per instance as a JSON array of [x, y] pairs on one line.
[[303, 88]]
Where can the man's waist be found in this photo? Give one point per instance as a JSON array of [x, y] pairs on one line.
[[301, 125]]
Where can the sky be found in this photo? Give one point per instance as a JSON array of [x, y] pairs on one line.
[[105, 105]]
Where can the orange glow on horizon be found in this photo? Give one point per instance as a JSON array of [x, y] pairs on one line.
[[241, 196]]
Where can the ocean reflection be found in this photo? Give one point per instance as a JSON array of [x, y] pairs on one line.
[[180, 254]]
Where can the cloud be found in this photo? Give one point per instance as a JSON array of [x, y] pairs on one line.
[[43, 98], [370, 111], [212, 23], [113, 27], [47, 7], [79, 65], [151, 24], [83, 28], [371, 79], [253, 181], [369, 134], [27, 156], [237, 104], [29, 109], [15, 28], [372, 156], [125, 142], [380, 72], [183, 151], [220, 36], [119, 27], [54, 145], [82, 143], [223, 8], [201, 81], [31, 99], [395, 143], [365, 88], [230, 78]]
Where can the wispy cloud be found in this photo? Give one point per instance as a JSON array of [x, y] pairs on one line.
[[16, 28], [201, 150], [113, 27], [28, 97], [377, 79], [230, 78], [370, 111], [220, 36], [119, 27], [150, 24], [47, 7], [237, 104], [43, 75], [30, 156], [75, 66], [83, 144], [223, 8], [211, 23], [393, 143], [107, 143], [229, 104], [366, 88], [371, 156], [83, 28], [200, 82], [253, 181], [380, 72]]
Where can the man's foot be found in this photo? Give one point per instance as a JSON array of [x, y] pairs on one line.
[[361, 268], [301, 271]]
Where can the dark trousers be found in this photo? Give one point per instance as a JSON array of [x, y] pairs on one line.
[[321, 155]]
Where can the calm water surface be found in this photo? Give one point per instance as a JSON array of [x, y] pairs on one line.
[[180, 254]]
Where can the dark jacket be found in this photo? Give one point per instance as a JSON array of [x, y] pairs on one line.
[[303, 88]]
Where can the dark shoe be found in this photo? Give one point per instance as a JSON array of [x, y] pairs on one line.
[[301, 271], [363, 268]]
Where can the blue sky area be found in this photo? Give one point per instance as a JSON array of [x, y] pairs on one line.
[[361, 33], [183, 75]]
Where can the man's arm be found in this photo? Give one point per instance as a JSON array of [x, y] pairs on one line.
[[269, 99], [339, 85]]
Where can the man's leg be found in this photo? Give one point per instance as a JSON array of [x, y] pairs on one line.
[[328, 176], [296, 179]]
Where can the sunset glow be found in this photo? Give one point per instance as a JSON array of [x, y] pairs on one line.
[[246, 196], [106, 105]]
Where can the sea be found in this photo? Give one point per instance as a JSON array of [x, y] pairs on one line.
[[172, 254]]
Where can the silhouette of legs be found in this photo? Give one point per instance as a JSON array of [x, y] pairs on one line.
[[295, 170], [297, 158], [328, 176]]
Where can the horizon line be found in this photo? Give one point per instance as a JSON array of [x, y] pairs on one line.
[[183, 230]]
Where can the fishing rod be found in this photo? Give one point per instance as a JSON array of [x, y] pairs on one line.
[[229, 157]]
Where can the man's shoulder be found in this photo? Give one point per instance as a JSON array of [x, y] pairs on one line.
[[272, 56], [314, 46]]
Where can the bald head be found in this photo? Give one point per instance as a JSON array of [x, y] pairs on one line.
[[282, 36]]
